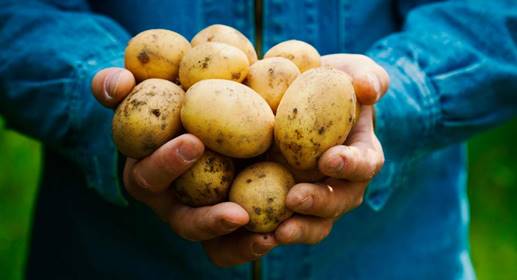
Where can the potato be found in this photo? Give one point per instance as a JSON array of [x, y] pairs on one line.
[[213, 61], [230, 118], [148, 117], [156, 53], [207, 182], [271, 77], [302, 54], [261, 189], [228, 35], [316, 113], [300, 176]]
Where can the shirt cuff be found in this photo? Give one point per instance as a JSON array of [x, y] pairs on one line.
[[95, 151], [408, 112]]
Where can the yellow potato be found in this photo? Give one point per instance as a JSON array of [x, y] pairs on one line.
[[302, 54], [207, 182], [213, 61], [300, 176], [228, 35], [148, 117], [230, 118], [316, 113], [156, 53], [271, 77], [261, 189]]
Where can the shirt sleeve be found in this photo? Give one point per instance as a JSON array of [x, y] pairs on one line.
[[453, 71], [50, 53]]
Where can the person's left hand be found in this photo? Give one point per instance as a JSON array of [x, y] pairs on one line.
[[350, 166]]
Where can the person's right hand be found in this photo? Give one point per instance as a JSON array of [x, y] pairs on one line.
[[148, 180]]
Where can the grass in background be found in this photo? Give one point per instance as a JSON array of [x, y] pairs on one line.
[[19, 169], [493, 199], [492, 191]]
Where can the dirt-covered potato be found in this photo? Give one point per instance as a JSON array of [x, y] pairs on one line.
[[213, 61], [156, 53], [261, 189], [316, 113], [302, 54], [271, 77], [230, 118], [148, 117], [207, 182], [226, 34], [300, 176]]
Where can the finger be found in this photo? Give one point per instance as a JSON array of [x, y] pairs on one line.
[[329, 200], [111, 85], [239, 247], [157, 171], [303, 230], [204, 223], [370, 80], [160, 204], [190, 223], [360, 158]]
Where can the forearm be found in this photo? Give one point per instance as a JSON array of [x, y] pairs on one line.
[[454, 73], [49, 58]]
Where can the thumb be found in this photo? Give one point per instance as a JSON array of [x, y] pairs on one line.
[[112, 85]]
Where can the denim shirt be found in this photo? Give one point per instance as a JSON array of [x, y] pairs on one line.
[[453, 69]]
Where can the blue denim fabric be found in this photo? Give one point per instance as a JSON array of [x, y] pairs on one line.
[[453, 68]]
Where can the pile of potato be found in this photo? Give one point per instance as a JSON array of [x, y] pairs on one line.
[[216, 89]]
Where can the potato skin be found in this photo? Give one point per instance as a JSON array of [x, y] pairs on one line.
[[302, 54], [213, 61], [261, 189], [148, 117], [230, 118], [207, 182], [300, 176], [226, 34], [271, 77], [156, 53], [316, 113]]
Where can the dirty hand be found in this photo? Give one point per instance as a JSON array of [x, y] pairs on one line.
[[148, 180], [350, 166]]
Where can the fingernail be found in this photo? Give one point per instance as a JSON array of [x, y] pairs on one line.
[[111, 84], [228, 225], [305, 204], [374, 81], [188, 151]]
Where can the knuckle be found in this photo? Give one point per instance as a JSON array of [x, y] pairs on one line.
[[336, 213], [211, 228], [181, 231], [357, 201], [373, 167], [322, 234], [326, 231], [379, 164]]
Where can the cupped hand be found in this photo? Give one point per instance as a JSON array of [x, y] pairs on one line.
[[350, 166], [148, 180]]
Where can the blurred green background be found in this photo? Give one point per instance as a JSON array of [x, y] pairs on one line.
[[492, 191]]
